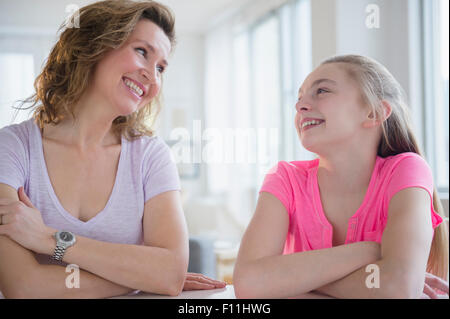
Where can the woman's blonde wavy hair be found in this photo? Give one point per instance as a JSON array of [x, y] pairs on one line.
[[378, 84], [103, 26]]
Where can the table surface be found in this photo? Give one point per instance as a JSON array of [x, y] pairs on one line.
[[222, 293]]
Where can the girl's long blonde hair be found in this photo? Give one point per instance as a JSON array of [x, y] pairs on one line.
[[378, 84], [103, 26]]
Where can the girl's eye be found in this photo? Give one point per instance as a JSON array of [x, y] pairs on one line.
[[142, 50], [320, 91]]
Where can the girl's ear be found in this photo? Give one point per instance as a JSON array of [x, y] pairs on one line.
[[374, 119]]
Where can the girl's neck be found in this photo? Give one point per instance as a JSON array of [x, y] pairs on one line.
[[346, 172]]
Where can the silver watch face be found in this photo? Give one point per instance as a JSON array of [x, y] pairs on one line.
[[65, 236]]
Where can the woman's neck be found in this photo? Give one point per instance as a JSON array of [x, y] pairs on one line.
[[91, 128]]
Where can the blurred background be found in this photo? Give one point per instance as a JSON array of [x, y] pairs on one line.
[[230, 90]]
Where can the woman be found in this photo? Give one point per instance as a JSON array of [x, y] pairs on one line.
[[367, 199], [89, 165]]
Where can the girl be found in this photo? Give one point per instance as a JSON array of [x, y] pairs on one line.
[[367, 199], [89, 164]]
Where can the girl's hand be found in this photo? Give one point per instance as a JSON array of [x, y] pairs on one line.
[[22, 222], [195, 281], [431, 283]]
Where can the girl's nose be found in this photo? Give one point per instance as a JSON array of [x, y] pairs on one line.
[[302, 105]]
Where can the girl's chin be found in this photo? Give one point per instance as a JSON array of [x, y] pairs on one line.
[[310, 146]]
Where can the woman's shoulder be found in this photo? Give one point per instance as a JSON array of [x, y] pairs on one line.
[[148, 146], [16, 135]]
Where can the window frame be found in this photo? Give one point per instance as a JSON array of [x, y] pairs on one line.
[[431, 59]]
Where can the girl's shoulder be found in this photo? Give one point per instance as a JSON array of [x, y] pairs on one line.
[[298, 166], [294, 169], [403, 161]]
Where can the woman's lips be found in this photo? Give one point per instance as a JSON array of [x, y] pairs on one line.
[[134, 93]]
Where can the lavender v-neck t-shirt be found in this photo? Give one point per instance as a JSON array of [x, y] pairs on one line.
[[146, 168]]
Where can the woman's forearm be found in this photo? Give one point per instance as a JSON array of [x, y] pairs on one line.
[[52, 281], [295, 274], [145, 268]]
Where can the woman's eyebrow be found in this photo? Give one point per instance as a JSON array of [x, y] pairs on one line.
[[152, 49]]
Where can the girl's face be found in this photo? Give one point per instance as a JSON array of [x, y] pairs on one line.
[[129, 77], [330, 109]]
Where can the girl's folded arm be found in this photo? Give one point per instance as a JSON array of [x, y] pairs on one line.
[[404, 253], [262, 271]]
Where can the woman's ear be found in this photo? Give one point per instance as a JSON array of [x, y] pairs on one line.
[[374, 119]]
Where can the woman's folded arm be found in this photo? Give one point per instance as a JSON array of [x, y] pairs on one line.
[[159, 266], [21, 276]]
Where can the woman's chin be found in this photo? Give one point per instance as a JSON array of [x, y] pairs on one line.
[[126, 109]]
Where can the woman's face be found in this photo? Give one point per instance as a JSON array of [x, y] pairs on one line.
[[129, 77], [331, 102]]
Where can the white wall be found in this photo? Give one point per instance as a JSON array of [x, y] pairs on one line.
[[183, 91], [339, 28]]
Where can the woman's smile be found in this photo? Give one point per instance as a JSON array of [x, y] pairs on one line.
[[133, 88]]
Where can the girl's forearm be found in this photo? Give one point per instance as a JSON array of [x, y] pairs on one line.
[[299, 273], [379, 281], [145, 268]]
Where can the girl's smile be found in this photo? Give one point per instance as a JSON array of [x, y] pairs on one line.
[[308, 123]]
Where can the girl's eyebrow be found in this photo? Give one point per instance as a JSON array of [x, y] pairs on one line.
[[153, 50], [317, 82]]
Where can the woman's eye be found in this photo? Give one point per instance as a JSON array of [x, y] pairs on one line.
[[142, 50], [160, 69], [320, 91]]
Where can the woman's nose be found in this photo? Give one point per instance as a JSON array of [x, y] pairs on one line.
[[149, 75]]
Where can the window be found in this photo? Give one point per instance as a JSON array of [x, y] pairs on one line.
[[436, 70], [16, 84], [255, 64]]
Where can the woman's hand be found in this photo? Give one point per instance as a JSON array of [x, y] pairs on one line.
[[431, 283], [22, 222], [195, 281]]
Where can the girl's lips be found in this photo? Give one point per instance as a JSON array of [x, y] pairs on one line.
[[310, 126]]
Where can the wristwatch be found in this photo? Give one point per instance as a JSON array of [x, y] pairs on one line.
[[64, 240]]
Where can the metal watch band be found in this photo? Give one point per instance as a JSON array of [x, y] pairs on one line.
[[59, 253]]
